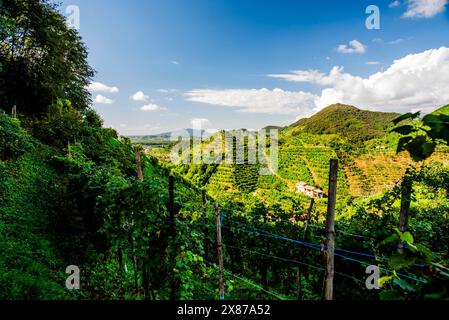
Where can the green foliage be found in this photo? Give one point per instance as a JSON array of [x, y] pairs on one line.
[[104, 278], [186, 264], [422, 137], [42, 59], [14, 141], [60, 125]]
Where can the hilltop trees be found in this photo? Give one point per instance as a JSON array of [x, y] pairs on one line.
[[351, 123], [41, 58]]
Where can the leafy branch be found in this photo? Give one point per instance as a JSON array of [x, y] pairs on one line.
[[423, 135]]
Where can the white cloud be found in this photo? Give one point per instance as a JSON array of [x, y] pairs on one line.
[[151, 107], [300, 76], [354, 46], [167, 90], [394, 4], [424, 8], [381, 41], [276, 101], [311, 76], [372, 62], [174, 62], [100, 99], [417, 81], [397, 41], [200, 123], [139, 96], [100, 87]]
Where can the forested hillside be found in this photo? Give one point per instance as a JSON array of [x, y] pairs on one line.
[[347, 121], [73, 192]]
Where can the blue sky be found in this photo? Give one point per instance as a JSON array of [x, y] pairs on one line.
[[241, 63]]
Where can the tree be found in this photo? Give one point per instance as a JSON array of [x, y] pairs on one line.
[[41, 58]]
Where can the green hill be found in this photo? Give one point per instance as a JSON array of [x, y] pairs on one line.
[[306, 147], [347, 121]]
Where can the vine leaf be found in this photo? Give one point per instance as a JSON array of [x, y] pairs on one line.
[[404, 130], [406, 116]]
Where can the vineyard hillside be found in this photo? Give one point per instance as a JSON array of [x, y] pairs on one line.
[[362, 141]]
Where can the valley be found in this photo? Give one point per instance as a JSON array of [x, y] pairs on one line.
[[369, 164]]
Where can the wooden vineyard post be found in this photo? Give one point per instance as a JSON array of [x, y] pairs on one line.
[[205, 242], [298, 284], [14, 112], [298, 268], [220, 251], [330, 230], [138, 164], [406, 196], [264, 262], [309, 214], [305, 236]]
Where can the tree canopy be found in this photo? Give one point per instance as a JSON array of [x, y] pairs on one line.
[[41, 58]]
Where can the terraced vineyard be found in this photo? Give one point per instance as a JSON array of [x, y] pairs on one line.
[[269, 182], [317, 160], [292, 165], [236, 177], [223, 178], [246, 177], [378, 171], [243, 177], [358, 183]]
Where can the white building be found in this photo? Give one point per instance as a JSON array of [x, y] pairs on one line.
[[313, 192]]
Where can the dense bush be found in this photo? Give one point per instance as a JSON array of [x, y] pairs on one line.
[[14, 141]]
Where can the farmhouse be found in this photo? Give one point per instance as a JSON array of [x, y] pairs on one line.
[[313, 192]]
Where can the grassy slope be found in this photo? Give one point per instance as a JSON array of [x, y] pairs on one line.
[[29, 264]]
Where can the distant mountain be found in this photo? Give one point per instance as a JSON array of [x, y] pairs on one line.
[[180, 132], [164, 137], [272, 128], [347, 121]]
